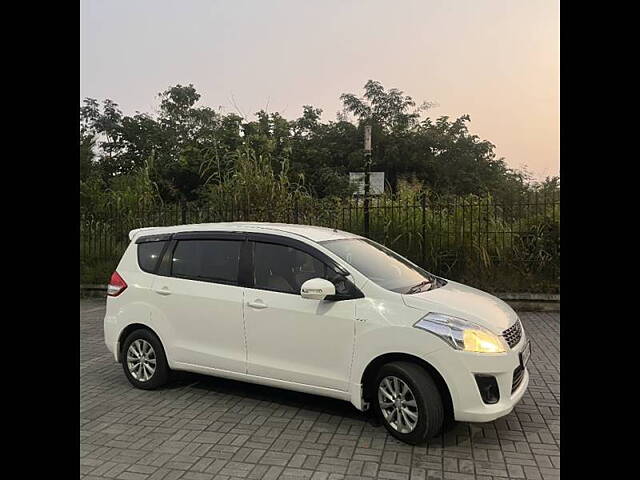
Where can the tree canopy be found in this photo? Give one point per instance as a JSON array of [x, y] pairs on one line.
[[186, 149]]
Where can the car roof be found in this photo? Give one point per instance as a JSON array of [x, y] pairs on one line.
[[313, 233]]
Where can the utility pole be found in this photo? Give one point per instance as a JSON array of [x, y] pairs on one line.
[[367, 175]]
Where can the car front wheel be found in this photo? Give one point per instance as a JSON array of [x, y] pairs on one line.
[[408, 402]]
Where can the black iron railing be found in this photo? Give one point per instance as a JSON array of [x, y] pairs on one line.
[[496, 246]]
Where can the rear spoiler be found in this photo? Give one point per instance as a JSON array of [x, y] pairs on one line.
[[136, 231]]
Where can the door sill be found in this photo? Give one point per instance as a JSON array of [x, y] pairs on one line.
[[272, 382]]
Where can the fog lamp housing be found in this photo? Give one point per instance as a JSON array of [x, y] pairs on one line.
[[488, 388]]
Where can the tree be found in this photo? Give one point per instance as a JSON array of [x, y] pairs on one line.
[[392, 116], [390, 110], [186, 148], [86, 157]]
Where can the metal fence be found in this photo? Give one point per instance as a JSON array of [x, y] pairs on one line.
[[496, 246]]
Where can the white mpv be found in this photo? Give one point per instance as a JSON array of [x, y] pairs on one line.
[[319, 311]]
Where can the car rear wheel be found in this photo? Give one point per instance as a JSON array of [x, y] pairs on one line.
[[144, 360], [408, 402]]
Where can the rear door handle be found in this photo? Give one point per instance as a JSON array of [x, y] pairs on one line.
[[259, 304], [163, 291]]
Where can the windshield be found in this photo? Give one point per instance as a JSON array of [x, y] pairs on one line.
[[383, 266]]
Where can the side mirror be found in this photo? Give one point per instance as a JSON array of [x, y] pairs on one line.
[[317, 289]]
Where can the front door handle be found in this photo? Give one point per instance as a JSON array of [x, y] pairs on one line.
[[259, 304], [163, 291]]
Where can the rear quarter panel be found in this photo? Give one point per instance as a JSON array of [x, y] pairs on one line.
[[134, 305]]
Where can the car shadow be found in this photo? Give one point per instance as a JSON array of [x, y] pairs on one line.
[[289, 398], [265, 393]]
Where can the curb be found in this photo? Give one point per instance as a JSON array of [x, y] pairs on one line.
[[533, 306], [87, 290], [531, 302]]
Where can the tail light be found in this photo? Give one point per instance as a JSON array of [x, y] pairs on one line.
[[116, 286]]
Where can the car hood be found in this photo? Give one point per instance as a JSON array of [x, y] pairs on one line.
[[467, 303]]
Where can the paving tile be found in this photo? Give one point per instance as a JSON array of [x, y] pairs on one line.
[[200, 427]]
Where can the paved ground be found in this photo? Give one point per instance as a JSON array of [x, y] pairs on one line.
[[201, 427]]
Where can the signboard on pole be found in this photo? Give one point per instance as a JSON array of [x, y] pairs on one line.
[[376, 182]]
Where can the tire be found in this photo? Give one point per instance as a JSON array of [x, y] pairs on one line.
[[420, 398], [145, 376]]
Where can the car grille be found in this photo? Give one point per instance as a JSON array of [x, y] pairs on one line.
[[513, 334], [518, 375]]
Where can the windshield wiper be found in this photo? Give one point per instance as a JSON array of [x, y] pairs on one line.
[[417, 288]]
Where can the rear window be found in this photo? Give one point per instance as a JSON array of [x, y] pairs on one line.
[[208, 260], [149, 255]]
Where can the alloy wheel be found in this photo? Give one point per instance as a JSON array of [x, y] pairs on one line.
[[398, 404], [141, 360]]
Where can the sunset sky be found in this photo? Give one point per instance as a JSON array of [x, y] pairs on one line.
[[497, 60]]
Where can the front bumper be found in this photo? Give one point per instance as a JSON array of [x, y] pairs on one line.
[[459, 369]]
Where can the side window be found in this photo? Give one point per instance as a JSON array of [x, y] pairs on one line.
[[284, 269], [208, 260], [149, 255], [343, 286]]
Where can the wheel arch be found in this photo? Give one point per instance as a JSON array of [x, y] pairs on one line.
[[127, 330], [372, 368]]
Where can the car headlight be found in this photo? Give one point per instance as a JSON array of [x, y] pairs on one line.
[[462, 334]]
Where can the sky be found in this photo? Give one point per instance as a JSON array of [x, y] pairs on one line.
[[496, 60]]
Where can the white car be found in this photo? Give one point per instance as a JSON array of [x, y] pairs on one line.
[[319, 311]]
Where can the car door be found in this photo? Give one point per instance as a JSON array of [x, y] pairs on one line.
[[201, 297], [289, 337]]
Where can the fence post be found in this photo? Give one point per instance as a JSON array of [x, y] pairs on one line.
[[423, 201], [183, 208], [366, 212], [367, 177]]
